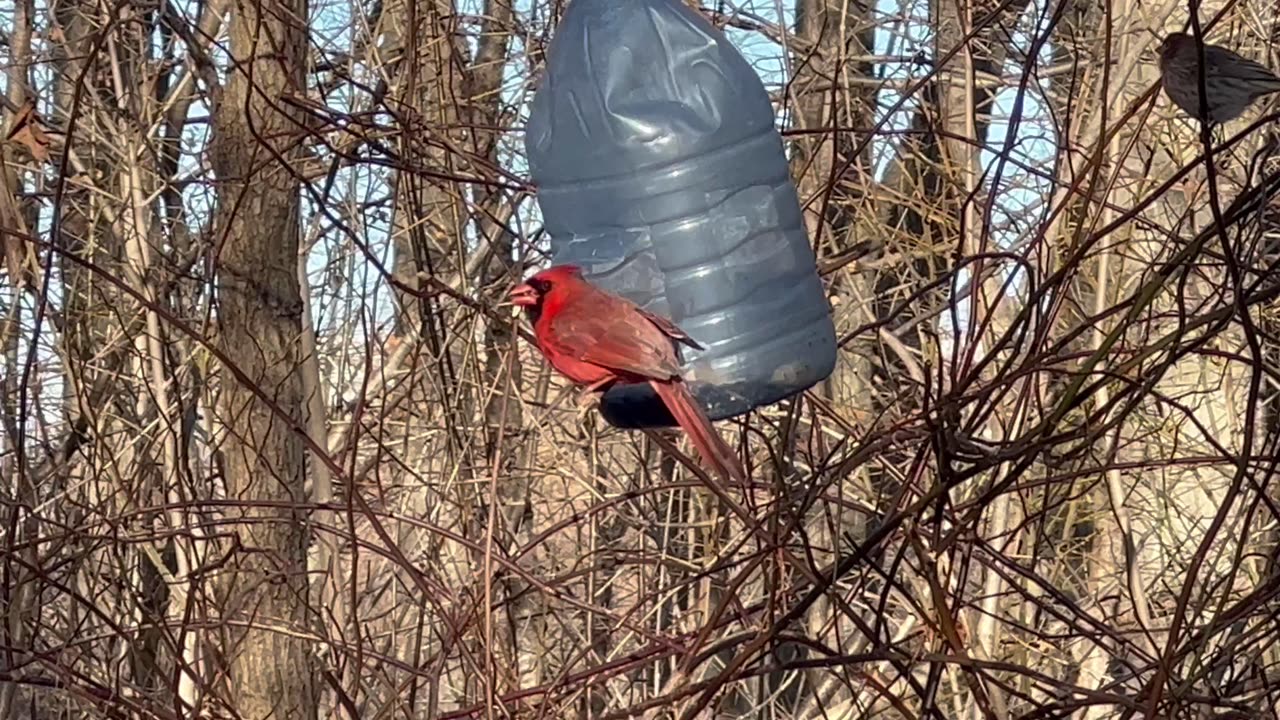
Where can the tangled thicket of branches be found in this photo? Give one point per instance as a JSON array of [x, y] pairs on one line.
[[272, 449]]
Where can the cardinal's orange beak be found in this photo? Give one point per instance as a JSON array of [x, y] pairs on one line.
[[523, 295]]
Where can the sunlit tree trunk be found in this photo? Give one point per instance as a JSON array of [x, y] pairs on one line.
[[18, 488], [830, 108], [1146, 526]]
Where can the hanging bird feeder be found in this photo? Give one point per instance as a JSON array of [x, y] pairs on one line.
[[661, 174]]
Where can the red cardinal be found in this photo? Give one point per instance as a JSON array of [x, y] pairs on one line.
[[596, 339]]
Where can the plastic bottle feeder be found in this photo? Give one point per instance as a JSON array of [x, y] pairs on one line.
[[660, 173]]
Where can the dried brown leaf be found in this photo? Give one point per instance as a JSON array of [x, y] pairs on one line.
[[25, 130], [19, 257]]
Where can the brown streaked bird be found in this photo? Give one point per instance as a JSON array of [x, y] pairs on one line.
[[1232, 82]]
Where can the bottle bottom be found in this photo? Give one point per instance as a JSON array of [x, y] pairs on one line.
[[636, 406]]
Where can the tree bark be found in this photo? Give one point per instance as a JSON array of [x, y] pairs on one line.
[[429, 215], [260, 323], [836, 188], [1141, 550]]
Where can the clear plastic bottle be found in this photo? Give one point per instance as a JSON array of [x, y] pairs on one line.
[[660, 172]]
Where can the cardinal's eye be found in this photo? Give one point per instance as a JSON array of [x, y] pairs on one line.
[[540, 285]]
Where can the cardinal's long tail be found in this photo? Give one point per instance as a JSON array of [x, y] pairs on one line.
[[714, 450]]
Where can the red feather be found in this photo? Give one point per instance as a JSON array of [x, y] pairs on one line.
[[596, 339]]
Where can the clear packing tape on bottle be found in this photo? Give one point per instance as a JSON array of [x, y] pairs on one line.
[[659, 171]]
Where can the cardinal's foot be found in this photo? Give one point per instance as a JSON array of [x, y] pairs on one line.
[[588, 400]]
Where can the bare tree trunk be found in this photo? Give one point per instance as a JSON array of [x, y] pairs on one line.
[[106, 343], [430, 213], [260, 324], [500, 375], [1145, 528], [836, 188], [837, 193], [904, 226], [17, 489], [963, 121]]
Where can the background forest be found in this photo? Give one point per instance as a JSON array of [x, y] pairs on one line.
[[271, 449]]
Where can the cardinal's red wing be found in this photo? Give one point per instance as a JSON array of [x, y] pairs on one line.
[[671, 329], [614, 336]]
